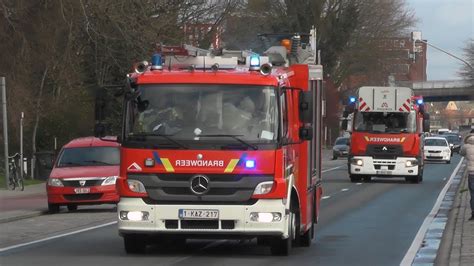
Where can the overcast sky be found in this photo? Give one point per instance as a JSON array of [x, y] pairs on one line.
[[447, 24]]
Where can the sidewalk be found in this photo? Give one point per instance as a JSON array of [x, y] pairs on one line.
[[16, 205], [458, 240]]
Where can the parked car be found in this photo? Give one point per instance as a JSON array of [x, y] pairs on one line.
[[437, 149], [340, 148], [454, 140], [84, 174]]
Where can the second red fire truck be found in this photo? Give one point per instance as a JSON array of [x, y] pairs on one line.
[[387, 128]]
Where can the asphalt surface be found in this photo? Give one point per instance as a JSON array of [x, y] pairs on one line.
[[360, 224]]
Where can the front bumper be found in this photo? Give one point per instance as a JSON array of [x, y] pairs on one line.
[[161, 215], [441, 156], [383, 167], [338, 153], [96, 195]]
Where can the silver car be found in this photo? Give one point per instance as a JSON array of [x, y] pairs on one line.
[[340, 148]]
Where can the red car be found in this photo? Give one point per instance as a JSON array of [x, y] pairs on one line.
[[84, 174]]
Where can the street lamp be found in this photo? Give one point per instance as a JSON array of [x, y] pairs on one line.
[[416, 37]]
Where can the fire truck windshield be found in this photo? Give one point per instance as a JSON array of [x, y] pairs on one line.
[[183, 112], [380, 122]]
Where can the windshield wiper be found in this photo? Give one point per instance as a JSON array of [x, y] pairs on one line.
[[70, 164], [167, 137], [236, 137], [96, 161]]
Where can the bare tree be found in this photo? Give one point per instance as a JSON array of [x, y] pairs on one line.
[[466, 71]]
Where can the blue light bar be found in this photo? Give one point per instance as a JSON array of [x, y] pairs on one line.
[[249, 164], [419, 101], [352, 99], [156, 62], [254, 62]]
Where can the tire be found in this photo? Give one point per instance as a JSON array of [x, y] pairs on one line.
[[21, 185], [72, 207], [53, 208], [11, 184], [334, 157], [367, 178], [448, 162], [282, 247], [414, 179], [307, 237], [134, 244], [354, 178]]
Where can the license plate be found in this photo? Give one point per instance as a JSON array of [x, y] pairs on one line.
[[82, 190], [384, 167], [198, 214], [383, 172]]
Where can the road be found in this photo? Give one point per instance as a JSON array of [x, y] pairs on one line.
[[361, 224]]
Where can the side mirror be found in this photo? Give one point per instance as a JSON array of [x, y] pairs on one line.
[[426, 122], [306, 133], [306, 107]]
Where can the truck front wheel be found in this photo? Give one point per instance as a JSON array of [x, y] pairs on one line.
[[355, 178], [134, 244]]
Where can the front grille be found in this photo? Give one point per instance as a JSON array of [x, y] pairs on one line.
[[434, 151], [434, 157], [385, 151], [390, 164], [229, 188], [74, 197], [199, 224], [75, 183]]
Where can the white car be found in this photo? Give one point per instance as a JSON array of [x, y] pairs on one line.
[[437, 149]]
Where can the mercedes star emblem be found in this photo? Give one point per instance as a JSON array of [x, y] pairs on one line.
[[384, 148], [82, 182], [199, 184], [199, 156]]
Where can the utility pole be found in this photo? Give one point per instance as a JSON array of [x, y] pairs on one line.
[[21, 145], [5, 127]]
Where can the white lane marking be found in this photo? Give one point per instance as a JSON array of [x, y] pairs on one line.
[[416, 244], [57, 236], [331, 169], [344, 189], [326, 197], [358, 184]]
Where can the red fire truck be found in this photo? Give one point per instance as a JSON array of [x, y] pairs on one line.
[[386, 134], [222, 144]]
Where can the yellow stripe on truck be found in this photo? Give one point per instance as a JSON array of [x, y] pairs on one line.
[[230, 167], [167, 165]]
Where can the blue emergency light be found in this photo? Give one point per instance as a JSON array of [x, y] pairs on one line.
[[250, 164], [156, 63], [419, 101], [352, 99], [254, 62]]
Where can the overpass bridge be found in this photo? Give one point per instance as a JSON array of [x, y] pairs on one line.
[[442, 90]]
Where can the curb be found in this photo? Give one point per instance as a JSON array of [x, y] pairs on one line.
[[430, 247], [23, 216], [445, 248]]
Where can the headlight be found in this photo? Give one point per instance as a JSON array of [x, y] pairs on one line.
[[55, 182], [263, 188], [136, 186], [109, 180], [447, 151], [411, 163], [357, 162]]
